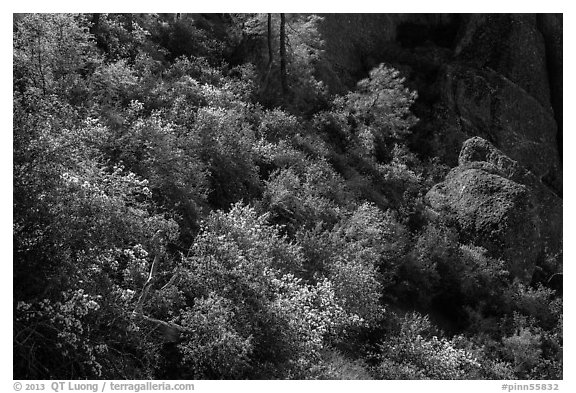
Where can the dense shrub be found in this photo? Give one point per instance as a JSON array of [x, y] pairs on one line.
[[52, 55], [417, 354], [179, 215], [281, 322]]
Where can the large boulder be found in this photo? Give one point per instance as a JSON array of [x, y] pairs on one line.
[[496, 203]]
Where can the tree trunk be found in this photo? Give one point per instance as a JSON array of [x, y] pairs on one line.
[[283, 77], [270, 54], [95, 23]]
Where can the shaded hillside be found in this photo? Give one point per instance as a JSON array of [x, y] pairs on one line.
[[270, 196]]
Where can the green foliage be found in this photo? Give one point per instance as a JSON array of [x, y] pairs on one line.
[[358, 255], [533, 337], [379, 110], [305, 196], [120, 36], [416, 354], [156, 150], [434, 249], [226, 146], [282, 322], [334, 365], [64, 324], [51, 54], [215, 349], [308, 92], [524, 350], [114, 83], [176, 216], [277, 125], [183, 37]]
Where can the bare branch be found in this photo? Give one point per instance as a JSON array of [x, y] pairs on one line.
[[172, 280], [170, 331], [157, 244]]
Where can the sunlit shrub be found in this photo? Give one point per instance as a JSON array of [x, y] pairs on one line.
[[413, 354]]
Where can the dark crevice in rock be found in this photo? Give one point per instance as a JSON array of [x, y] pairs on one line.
[[550, 26], [549, 180], [412, 34], [497, 76]]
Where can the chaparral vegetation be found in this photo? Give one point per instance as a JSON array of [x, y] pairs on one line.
[[219, 197]]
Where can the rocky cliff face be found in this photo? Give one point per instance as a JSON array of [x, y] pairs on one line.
[[487, 104], [495, 76], [498, 77]]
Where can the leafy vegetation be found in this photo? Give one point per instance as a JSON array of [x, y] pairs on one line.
[[176, 216]]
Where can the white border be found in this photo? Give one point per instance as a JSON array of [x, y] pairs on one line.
[[353, 6]]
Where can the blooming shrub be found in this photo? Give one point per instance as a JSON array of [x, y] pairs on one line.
[[66, 324], [413, 355]]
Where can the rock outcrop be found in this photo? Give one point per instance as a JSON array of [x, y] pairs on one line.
[[491, 106], [505, 79], [510, 45], [497, 204], [497, 76]]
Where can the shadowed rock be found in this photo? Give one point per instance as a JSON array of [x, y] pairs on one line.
[[497, 76], [499, 205], [490, 106]]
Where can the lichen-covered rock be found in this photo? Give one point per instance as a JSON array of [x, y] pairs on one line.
[[548, 206], [493, 212], [497, 204]]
